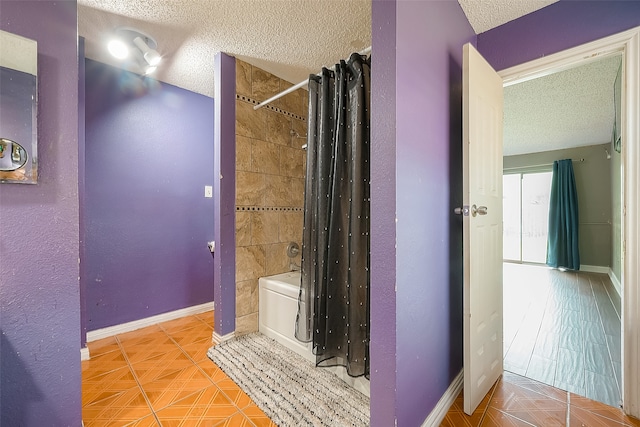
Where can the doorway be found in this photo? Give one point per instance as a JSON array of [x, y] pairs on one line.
[[553, 321], [627, 44]]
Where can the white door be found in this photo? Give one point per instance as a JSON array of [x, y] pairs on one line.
[[482, 226]]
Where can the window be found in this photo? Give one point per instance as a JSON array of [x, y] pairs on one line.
[[526, 215]]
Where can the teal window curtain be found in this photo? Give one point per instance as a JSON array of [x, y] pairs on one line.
[[562, 243]]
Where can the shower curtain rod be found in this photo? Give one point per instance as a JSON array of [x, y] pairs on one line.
[[298, 86], [539, 166]]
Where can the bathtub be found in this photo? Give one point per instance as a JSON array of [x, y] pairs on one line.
[[278, 296]]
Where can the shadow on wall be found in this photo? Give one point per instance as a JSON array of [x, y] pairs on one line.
[[17, 388], [455, 221]]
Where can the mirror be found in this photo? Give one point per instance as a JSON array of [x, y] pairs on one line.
[[18, 103]]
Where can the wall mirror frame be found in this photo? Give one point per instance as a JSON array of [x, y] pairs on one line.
[[19, 107]]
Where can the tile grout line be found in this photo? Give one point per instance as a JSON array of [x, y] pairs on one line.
[[601, 318], [153, 411], [493, 390], [606, 289], [556, 292], [609, 349], [568, 409], [205, 374], [133, 373], [199, 323], [538, 335]]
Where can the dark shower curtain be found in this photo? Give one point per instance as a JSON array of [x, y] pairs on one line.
[[562, 240], [333, 307]]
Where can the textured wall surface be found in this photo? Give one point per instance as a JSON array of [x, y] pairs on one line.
[[17, 91], [81, 192], [383, 213], [430, 36], [426, 141], [149, 155], [557, 27], [39, 289], [270, 168], [224, 194]]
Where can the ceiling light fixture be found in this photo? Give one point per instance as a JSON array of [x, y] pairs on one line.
[[143, 46], [118, 49], [152, 56]]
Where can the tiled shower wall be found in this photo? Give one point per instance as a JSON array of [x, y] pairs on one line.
[[270, 168]]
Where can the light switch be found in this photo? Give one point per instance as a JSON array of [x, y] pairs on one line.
[[208, 191]]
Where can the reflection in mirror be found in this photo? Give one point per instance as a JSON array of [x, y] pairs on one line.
[[18, 103], [13, 156]]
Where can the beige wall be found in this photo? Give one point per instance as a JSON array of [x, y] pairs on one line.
[[270, 168], [593, 182]]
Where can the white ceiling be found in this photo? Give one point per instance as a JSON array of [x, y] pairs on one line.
[[293, 38], [484, 15], [289, 38], [567, 109]]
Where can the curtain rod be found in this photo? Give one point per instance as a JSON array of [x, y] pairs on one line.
[[299, 85], [539, 166]]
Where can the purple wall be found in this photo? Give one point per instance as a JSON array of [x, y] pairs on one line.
[[426, 139], [81, 192], [224, 193], [383, 210], [39, 290], [555, 28], [148, 154]]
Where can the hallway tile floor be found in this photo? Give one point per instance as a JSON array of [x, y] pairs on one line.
[[518, 401], [160, 376]]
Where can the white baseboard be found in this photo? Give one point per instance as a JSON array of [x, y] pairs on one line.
[[442, 407], [594, 269], [84, 354], [110, 331], [221, 338], [616, 282]]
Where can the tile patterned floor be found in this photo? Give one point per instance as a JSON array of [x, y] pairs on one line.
[[519, 401], [161, 376], [563, 329]]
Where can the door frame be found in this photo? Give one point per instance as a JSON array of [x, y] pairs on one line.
[[626, 43]]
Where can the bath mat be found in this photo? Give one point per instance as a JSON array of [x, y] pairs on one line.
[[287, 387]]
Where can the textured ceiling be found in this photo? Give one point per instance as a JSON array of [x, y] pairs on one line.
[[567, 109], [289, 38], [484, 15], [293, 38]]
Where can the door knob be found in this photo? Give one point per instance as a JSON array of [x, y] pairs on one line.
[[464, 210], [478, 210]]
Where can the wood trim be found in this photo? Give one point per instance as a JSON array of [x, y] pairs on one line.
[[148, 321], [594, 269], [442, 407], [615, 281], [630, 231], [84, 354], [626, 43], [217, 338]]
